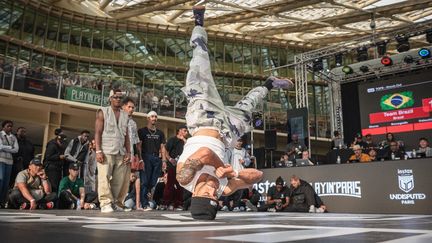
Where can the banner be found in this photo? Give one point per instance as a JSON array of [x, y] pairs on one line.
[[88, 96], [401, 186]]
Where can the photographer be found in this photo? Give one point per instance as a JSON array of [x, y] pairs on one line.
[[278, 196]]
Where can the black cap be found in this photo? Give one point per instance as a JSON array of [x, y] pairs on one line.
[[279, 181], [58, 131], [203, 208], [74, 166], [36, 161]]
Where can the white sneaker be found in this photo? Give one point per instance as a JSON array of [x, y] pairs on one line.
[[312, 209], [127, 209], [251, 207], [148, 209], [236, 209], [107, 209], [319, 210], [242, 209], [248, 209], [225, 209], [271, 210]]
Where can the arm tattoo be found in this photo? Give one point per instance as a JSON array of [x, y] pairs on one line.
[[187, 173]]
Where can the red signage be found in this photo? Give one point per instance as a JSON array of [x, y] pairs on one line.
[[427, 105], [398, 115]]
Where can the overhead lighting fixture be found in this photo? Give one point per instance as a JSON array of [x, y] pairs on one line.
[[317, 65], [339, 59], [403, 43], [364, 69], [347, 70], [408, 59], [386, 61], [382, 47], [362, 54], [424, 53]]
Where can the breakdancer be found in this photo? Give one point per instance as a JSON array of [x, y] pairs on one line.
[[214, 127]]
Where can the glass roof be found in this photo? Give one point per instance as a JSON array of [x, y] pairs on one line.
[[311, 22]]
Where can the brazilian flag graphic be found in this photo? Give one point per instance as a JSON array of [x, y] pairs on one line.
[[397, 100]]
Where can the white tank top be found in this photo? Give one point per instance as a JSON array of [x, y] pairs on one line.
[[192, 145]]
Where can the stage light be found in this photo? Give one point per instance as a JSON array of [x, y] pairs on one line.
[[382, 47], [424, 53], [347, 70], [317, 65], [339, 59], [364, 69], [403, 43], [362, 54], [408, 59], [386, 61]]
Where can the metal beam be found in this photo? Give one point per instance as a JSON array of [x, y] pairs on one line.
[[158, 7], [351, 17], [259, 11], [104, 3]]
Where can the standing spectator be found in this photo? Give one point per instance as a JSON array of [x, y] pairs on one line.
[[8, 146], [54, 159], [153, 146], [32, 189], [337, 141], [76, 152], [369, 144], [358, 155], [424, 150], [24, 156], [72, 193], [239, 156], [173, 192], [90, 168], [278, 196], [295, 147], [134, 141], [358, 140], [155, 103], [112, 153]]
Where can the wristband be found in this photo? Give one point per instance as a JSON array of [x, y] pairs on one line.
[[33, 200], [141, 161], [99, 151]]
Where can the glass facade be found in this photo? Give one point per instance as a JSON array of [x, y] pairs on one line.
[[58, 57]]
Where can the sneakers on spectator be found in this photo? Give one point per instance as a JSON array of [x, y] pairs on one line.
[[24, 205], [179, 208], [126, 209], [148, 209], [72, 206], [49, 205], [236, 209], [319, 210], [312, 209], [225, 209], [107, 209], [250, 206], [271, 210], [92, 206], [118, 208], [170, 208], [242, 209]]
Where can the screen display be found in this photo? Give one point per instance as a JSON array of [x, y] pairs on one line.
[[400, 105]]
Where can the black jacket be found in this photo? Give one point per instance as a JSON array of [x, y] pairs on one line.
[[304, 194], [52, 156], [25, 153]]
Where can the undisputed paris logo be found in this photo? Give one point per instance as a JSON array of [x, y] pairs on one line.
[[406, 180], [397, 100]]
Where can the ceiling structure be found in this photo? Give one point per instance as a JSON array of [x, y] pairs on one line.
[[312, 23]]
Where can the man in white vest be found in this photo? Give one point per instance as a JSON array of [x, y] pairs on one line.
[[112, 153]]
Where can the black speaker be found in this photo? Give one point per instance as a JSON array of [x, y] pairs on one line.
[[270, 139], [259, 154]]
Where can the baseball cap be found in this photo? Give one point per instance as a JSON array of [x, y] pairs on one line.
[[151, 113], [74, 166], [36, 161], [203, 208]]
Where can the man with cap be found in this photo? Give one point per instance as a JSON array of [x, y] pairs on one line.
[[112, 153], [358, 155], [278, 196], [32, 189], [72, 193], [214, 126], [152, 148], [54, 159]]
